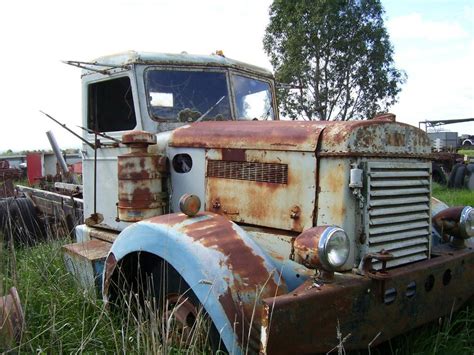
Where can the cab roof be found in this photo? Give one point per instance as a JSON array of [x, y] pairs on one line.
[[150, 58]]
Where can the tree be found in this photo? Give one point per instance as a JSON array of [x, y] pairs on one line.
[[335, 55]]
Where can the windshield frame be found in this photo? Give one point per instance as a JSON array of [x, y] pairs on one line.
[[221, 70]]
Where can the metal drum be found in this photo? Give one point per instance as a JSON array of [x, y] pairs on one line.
[[140, 175]]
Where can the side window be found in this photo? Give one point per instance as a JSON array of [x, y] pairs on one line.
[[110, 106], [253, 98]]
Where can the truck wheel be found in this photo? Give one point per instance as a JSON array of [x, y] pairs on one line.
[[27, 227], [459, 177], [470, 182], [189, 321], [438, 174], [158, 284], [18, 219], [452, 175]]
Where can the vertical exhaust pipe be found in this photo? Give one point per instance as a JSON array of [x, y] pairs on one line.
[[62, 163]]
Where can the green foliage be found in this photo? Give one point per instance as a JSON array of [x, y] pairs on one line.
[[338, 56]]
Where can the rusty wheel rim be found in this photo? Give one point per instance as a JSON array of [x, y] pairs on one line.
[[11, 317], [182, 314]]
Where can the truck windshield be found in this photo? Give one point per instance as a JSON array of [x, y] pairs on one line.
[[253, 98], [187, 95]]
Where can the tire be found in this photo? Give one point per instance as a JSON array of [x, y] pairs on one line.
[[182, 306], [18, 218], [438, 174], [470, 182], [452, 175], [158, 284], [459, 177]]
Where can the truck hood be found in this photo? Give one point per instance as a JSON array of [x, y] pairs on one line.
[[327, 137]]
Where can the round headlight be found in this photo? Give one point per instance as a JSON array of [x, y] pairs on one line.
[[334, 247], [466, 222]]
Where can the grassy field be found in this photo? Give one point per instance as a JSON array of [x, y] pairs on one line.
[[61, 318], [468, 152], [453, 197]]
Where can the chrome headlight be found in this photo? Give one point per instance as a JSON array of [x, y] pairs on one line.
[[466, 222], [333, 248], [322, 247]]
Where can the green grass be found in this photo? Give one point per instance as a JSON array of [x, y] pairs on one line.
[[453, 197], [468, 152], [61, 318]]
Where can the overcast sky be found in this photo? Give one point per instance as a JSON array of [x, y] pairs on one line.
[[433, 41]]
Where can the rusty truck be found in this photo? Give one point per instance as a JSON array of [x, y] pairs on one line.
[[286, 233]]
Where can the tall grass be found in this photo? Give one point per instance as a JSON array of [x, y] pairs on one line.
[[62, 318], [453, 197]]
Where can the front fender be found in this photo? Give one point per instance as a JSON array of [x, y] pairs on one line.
[[228, 272]]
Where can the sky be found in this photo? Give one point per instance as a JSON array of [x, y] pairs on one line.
[[433, 43]]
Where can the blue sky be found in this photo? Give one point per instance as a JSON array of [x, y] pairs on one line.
[[433, 41], [434, 44]]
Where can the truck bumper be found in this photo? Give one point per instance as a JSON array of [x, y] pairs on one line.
[[366, 311]]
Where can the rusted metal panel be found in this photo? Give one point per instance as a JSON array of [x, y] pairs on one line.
[[35, 169], [337, 138], [227, 270], [361, 308], [278, 246], [140, 174], [336, 204], [6, 188], [354, 138], [84, 233], [268, 135], [8, 173], [56, 205], [233, 154], [86, 262], [261, 195]]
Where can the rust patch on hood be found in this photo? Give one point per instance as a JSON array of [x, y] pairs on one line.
[[270, 135]]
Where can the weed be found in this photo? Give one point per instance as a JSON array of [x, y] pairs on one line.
[[62, 318]]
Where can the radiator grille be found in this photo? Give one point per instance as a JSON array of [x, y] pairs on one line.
[[399, 218], [261, 172]]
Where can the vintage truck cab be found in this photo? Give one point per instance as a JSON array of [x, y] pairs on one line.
[[286, 232]]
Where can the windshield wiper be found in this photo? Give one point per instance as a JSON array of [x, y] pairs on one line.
[[212, 108]]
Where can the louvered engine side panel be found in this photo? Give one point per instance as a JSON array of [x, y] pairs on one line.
[[242, 170], [398, 208]]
